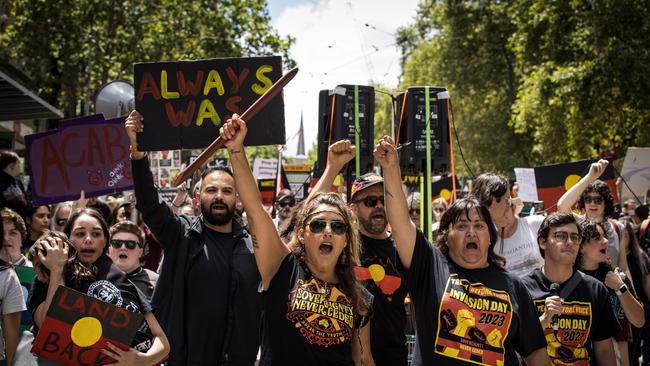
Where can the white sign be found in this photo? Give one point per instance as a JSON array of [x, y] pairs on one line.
[[636, 172], [265, 168], [527, 184], [298, 190]]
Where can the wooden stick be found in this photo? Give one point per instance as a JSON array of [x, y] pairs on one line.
[[262, 101]]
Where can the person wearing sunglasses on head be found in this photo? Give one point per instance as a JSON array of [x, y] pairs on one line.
[[517, 236], [468, 309], [380, 268], [60, 214], [595, 200], [316, 312], [126, 249], [565, 297]]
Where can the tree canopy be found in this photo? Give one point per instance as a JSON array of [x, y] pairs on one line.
[[535, 81]]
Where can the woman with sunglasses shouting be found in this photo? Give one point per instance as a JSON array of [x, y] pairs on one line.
[[596, 202], [126, 250], [468, 309], [316, 313]]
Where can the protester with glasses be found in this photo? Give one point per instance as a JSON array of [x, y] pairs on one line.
[[316, 313], [81, 263], [284, 203], [126, 249], [564, 298], [468, 309], [439, 207], [595, 200], [594, 261]]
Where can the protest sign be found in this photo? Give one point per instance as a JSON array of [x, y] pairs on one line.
[[184, 103], [84, 154], [526, 182], [77, 327], [265, 168], [636, 172]]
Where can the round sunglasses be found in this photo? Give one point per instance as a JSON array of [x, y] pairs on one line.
[[317, 226]]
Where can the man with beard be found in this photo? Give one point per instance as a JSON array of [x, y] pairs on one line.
[[379, 263], [283, 206], [206, 297]]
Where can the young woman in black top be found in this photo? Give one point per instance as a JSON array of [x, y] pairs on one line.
[[468, 309], [316, 313], [92, 272]]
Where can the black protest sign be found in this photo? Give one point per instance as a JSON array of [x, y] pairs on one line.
[[77, 327], [184, 103]]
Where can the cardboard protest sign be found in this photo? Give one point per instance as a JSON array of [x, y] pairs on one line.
[[636, 172], [84, 154], [26, 276], [553, 181], [78, 326], [184, 103]]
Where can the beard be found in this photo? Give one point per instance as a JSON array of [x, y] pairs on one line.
[[217, 219], [373, 228]]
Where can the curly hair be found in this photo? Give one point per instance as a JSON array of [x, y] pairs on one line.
[[556, 219], [601, 188], [589, 230], [462, 208], [351, 253]]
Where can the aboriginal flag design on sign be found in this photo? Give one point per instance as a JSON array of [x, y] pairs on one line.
[[78, 326], [554, 180]]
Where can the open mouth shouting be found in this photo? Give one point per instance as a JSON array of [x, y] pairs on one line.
[[87, 255], [325, 248]]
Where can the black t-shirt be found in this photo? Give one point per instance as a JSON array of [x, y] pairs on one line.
[[469, 316], [144, 280], [206, 300], [637, 275], [380, 271], [587, 317], [111, 286], [307, 321], [600, 275]]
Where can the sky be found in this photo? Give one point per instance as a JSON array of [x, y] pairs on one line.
[[337, 42]]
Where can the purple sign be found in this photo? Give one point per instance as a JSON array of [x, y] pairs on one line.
[[88, 154]]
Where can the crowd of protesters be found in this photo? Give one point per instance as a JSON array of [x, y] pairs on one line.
[[220, 280]]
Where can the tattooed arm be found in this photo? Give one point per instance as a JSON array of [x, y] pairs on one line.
[[271, 251]]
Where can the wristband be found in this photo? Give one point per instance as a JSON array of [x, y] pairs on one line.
[[621, 290]]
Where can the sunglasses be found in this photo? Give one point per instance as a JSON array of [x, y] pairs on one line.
[[130, 244], [438, 209], [596, 200], [563, 236], [289, 203], [414, 211], [371, 201], [317, 226], [61, 222]]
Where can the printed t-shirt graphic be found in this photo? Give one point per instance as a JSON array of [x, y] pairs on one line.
[[473, 322], [378, 273], [321, 312], [569, 347]]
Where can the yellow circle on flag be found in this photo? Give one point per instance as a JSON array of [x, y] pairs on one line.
[[571, 181], [86, 331], [377, 272], [446, 194]]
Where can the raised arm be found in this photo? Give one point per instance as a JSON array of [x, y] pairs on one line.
[[403, 229], [572, 196], [338, 154], [268, 246]]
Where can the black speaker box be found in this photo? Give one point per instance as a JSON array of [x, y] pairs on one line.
[[412, 130], [342, 125]]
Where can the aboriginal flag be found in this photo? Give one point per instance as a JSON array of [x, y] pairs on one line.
[[26, 277], [443, 188], [78, 326], [554, 180]]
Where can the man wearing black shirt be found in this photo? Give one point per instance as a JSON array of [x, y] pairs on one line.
[[584, 317], [379, 263], [206, 296]]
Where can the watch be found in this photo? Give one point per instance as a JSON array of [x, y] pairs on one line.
[[621, 290]]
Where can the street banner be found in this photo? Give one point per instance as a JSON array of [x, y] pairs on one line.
[[86, 154], [77, 327], [184, 103]]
